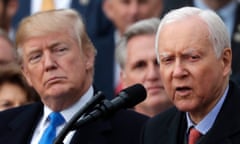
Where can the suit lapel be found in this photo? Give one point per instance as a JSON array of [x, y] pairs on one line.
[[176, 129], [26, 121], [227, 122]]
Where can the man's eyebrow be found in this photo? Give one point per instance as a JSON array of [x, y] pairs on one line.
[[54, 43], [189, 51], [162, 55]]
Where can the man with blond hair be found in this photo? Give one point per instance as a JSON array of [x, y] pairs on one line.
[[57, 59]]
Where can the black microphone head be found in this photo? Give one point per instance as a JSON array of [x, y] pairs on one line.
[[133, 94]]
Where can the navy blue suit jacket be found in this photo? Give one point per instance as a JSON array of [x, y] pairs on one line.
[[104, 64], [170, 127], [173, 4], [124, 127]]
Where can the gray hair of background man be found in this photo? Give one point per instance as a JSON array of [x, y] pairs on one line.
[[216, 27], [142, 27], [42, 23]]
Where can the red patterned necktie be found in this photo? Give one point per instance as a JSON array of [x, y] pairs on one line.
[[194, 136]]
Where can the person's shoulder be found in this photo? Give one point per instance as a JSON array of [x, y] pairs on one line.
[[9, 114], [162, 118], [123, 119], [129, 116], [127, 126]]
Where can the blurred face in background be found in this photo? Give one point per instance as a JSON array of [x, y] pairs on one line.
[[7, 53], [216, 4], [1, 7], [151, 8], [122, 12], [125, 12], [12, 95], [142, 67], [8, 9]]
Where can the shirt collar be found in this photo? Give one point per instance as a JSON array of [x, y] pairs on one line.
[[207, 122], [69, 112]]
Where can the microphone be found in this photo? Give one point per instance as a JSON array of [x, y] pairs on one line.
[[127, 98], [98, 97]]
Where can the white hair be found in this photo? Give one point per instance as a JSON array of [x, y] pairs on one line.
[[218, 33]]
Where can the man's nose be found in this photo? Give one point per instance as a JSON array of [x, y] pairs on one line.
[[134, 8], [49, 62], [179, 70], [153, 72]]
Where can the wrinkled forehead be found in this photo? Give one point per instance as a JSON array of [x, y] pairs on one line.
[[185, 35]]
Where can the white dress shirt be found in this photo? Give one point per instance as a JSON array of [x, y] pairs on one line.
[[67, 114], [207, 122]]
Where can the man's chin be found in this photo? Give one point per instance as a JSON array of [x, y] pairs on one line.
[[57, 92]]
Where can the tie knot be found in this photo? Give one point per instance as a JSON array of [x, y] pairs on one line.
[[194, 135], [56, 119]]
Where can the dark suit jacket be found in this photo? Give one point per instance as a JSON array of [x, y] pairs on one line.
[[170, 126], [124, 127], [173, 4], [104, 64]]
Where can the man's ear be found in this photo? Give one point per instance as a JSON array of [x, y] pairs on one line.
[[89, 59], [123, 78], [26, 75], [227, 60]]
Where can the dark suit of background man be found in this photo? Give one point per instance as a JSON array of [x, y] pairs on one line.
[[229, 10], [194, 52], [57, 59]]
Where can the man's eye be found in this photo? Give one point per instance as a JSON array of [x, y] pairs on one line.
[[194, 57], [60, 50], [166, 60], [142, 1], [34, 58], [140, 65], [126, 2], [6, 104]]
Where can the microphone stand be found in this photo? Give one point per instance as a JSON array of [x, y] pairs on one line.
[[98, 97], [101, 109]]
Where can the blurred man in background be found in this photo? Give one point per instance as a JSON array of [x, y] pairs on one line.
[[137, 59], [122, 14]]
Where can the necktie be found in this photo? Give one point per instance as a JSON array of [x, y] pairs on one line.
[[194, 136], [47, 5], [56, 119]]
